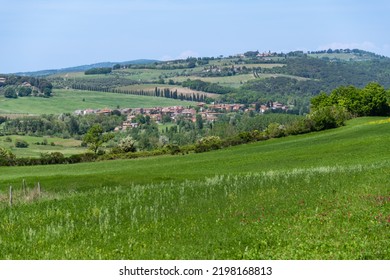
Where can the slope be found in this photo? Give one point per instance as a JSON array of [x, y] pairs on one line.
[[317, 196]]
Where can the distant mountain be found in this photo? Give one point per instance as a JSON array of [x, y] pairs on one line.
[[84, 67]]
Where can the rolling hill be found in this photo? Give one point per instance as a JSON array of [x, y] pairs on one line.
[[321, 195]]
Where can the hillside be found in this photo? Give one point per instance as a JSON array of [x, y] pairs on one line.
[[83, 67], [315, 196], [290, 78]]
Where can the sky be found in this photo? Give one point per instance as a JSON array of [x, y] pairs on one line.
[[52, 34]]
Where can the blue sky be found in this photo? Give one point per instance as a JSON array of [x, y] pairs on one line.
[[44, 34]]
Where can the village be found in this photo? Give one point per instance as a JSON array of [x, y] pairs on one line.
[[208, 112]]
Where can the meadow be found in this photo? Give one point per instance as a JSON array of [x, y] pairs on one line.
[[322, 195], [67, 147], [68, 101]]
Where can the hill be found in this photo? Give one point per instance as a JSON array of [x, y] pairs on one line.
[[83, 67], [290, 78], [315, 196], [68, 101]]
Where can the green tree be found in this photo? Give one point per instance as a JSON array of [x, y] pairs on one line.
[[199, 122], [127, 145], [374, 98], [19, 143], [328, 117], [95, 137], [10, 92], [6, 157]]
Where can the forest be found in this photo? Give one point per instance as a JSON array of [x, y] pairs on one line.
[[12, 86]]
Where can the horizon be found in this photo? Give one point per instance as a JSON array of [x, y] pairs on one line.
[[138, 59], [42, 35]]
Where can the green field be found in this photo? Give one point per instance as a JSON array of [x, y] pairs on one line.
[[54, 144], [235, 81], [321, 195], [67, 101]]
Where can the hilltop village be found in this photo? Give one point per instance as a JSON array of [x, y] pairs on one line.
[[208, 112]]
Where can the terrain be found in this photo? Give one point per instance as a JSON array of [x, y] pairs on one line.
[[255, 160], [321, 195]]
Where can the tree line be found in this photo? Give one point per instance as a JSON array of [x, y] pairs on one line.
[[157, 92], [20, 86], [98, 71]]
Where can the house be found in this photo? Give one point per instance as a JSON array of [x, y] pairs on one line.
[[188, 113], [263, 108], [105, 111], [128, 124], [2, 80], [78, 112], [89, 111], [125, 111], [26, 84]]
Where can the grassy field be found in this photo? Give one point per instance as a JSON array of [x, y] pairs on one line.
[[180, 89], [66, 101], [317, 196], [65, 146], [235, 81]]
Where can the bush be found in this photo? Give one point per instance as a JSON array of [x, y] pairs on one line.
[[275, 130], [10, 92], [328, 117], [127, 145], [7, 158], [19, 143], [208, 143], [52, 158]]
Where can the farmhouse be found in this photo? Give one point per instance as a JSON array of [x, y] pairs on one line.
[[105, 111], [26, 84]]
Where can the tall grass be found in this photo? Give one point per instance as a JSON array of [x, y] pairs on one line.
[[318, 196], [315, 213]]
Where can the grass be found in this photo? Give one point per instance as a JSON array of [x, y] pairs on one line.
[[65, 146], [317, 196], [67, 101], [235, 81], [179, 89]]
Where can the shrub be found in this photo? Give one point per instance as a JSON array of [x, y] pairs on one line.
[[19, 143], [208, 143], [275, 130], [6, 157], [328, 117], [52, 158], [127, 145]]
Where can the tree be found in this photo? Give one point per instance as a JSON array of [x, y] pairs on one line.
[[95, 137], [127, 145], [199, 122], [6, 157], [21, 143], [10, 92], [374, 98], [328, 117]]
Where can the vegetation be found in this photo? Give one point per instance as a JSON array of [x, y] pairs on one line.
[[102, 70], [68, 101], [372, 100], [205, 86], [268, 200], [17, 86], [95, 137]]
